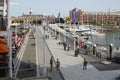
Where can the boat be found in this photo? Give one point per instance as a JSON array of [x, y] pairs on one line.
[[89, 31]]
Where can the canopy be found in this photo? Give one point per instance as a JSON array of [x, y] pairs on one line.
[[3, 48], [3, 41], [15, 24]]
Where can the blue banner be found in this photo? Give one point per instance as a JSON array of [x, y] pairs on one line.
[[74, 16], [59, 17], [48, 19]]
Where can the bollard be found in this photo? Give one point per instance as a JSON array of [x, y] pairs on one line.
[[94, 49], [110, 51], [76, 53]]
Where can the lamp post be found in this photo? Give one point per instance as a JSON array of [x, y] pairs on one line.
[[9, 39], [44, 47], [44, 53]]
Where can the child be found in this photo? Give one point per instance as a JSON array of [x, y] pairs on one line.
[[85, 64]]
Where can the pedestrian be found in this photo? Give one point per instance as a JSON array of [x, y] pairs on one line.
[[51, 63], [57, 64], [85, 63], [85, 48], [2, 23], [76, 43], [64, 45]]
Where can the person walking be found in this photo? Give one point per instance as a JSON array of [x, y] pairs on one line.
[[85, 63], [51, 63], [57, 64], [85, 48], [64, 45]]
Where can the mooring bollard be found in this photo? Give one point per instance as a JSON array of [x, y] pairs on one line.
[[110, 51], [94, 49]]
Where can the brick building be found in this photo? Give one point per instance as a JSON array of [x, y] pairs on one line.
[[97, 18]]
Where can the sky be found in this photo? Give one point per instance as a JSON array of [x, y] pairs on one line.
[[53, 7]]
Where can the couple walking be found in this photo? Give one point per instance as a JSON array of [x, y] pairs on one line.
[[57, 64]]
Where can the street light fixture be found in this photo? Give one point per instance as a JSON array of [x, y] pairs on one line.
[[9, 37], [44, 53]]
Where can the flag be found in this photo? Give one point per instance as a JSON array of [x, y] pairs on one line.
[[48, 19], [59, 17], [53, 20], [74, 16]]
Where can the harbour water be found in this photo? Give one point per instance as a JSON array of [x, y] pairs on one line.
[[109, 38]]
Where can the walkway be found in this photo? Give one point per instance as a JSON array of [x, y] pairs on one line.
[[71, 67], [29, 57]]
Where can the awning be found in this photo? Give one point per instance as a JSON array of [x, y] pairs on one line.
[[4, 48], [3, 41]]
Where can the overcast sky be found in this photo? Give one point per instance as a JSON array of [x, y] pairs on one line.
[[49, 7]]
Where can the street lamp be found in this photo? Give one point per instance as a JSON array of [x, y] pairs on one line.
[[9, 38], [44, 53]]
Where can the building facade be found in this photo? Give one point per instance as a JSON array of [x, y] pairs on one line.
[[98, 18]]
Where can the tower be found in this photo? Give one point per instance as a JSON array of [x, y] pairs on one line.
[[30, 12]]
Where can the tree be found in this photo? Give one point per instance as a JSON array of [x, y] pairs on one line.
[[34, 21], [39, 21], [21, 21], [108, 22], [17, 21], [113, 23], [61, 20], [95, 22], [12, 21]]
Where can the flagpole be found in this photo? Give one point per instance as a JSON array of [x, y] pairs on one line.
[[59, 19], [74, 23]]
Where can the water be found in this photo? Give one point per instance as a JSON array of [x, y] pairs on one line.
[[110, 37]]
